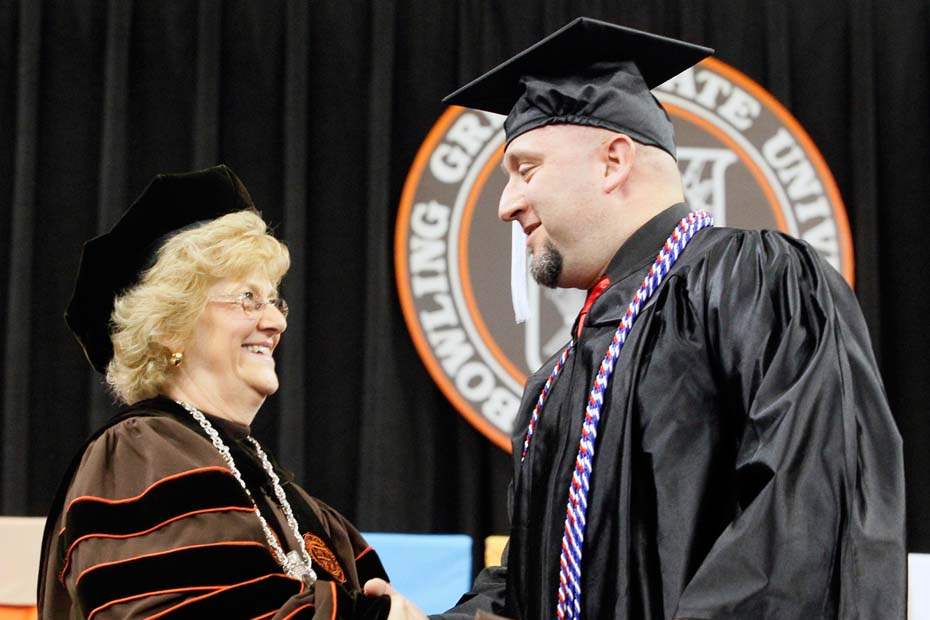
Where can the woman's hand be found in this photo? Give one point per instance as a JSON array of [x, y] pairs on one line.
[[401, 608]]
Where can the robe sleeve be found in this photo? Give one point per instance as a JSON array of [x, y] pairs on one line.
[[819, 467], [155, 525], [487, 594], [489, 591], [348, 543]]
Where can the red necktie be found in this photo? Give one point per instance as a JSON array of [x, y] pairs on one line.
[[593, 294]]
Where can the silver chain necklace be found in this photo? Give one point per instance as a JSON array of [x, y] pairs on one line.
[[296, 563]]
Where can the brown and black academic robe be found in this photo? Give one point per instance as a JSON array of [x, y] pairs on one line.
[[150, 523], [747, 464]]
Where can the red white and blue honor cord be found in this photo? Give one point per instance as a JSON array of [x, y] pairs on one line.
[[568, 604]]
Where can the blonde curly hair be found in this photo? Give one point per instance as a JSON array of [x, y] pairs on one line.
[[156, 317]]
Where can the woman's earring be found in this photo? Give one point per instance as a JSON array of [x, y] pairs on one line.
[[177, 358]]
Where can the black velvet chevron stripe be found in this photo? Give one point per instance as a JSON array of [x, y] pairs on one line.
[[172, 496], [246, 600], [216, 564]]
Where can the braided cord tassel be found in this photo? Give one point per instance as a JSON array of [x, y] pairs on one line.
[[568, 604]]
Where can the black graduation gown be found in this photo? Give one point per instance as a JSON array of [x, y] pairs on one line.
[[747, 464], [149, 522]]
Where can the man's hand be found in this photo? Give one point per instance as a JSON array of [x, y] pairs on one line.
[[401, 608]]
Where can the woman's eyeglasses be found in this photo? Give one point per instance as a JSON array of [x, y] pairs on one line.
[[251, 305]]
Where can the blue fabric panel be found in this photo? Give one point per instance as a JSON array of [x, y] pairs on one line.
[[432, 570]]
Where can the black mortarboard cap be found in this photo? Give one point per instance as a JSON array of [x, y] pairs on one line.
[[114, 261], [588, 72]]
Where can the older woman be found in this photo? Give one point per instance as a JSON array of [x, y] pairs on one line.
[[173, 509]]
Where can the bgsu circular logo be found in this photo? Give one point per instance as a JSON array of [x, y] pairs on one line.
[[742, 156]]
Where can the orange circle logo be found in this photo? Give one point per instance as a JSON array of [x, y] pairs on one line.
[[742, 156]]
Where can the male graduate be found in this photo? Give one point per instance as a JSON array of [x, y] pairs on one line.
[[714, 439]]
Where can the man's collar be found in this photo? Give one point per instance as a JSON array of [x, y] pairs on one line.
[[644, 244], [631, 259]]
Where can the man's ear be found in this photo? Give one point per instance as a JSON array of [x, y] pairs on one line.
[[619, 153]]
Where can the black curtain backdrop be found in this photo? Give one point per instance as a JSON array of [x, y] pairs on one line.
[[320, 107]]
